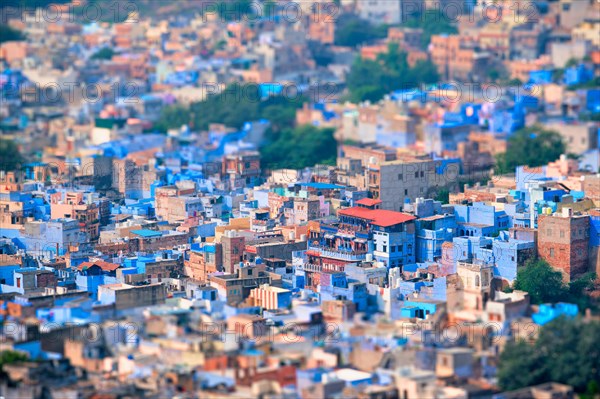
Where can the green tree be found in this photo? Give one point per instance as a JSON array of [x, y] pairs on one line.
[[8, 34], [172, 117], [321, 53], [567, 351], [233, 107], [300, 147], [579, 291], [443, 195], [238, 104], [366, 81], [234, 10], [425, 71], [10, 155], [352, 31], [514, 82], [432, 23], [543, 283], [105, 53], [530, 146], [557, 75], [520, 366], [371, 80], [571, 62], [9, 357]]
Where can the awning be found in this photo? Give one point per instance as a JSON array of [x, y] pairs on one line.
[[329, 236], [360, 240]]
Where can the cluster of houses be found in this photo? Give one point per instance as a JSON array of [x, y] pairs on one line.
[[138, 262]]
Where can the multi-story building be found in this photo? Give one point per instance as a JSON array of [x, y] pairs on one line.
[[125, 296], [16, 203], [204, 261], [443, 137], [241, 170], [480, 220], [233, 247], [457, 58], [358, 231], [563, 242], [127, 178], [588, 30], [396, 182], [475, 284], [578, 137], [269, 297], [77, 205], [306, 209], [432, 232], [236, 287], [54, 236]]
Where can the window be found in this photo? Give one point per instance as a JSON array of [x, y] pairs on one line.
[[393, 248], [405, 191], [549, 232], [416, 175], [18, 282], [385, 248], [249, 272], [422, 174], [400, 177], [562, 234], [552, 252]]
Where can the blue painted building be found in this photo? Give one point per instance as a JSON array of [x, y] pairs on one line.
[[446, 136], [542, 76], [420, 308], [593, 100], [548, 312], [577, 74], [432, 232], [480, 220]]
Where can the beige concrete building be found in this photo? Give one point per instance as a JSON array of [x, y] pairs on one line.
[[410, 178], [578, 137]]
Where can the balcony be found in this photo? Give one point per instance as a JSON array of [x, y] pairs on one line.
[[327, 268], [311, 267], [347, 255]]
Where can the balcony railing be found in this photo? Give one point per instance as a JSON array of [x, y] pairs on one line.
[[339, 253], [311, 267]]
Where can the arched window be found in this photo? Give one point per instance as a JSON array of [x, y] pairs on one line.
[[476, 281]]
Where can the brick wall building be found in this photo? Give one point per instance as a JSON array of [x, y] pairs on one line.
[[233, 251], [204, 262], [563, 242]]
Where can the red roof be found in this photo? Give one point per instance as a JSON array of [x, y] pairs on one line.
[[105, 266], [368, 202], [377, 217]]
